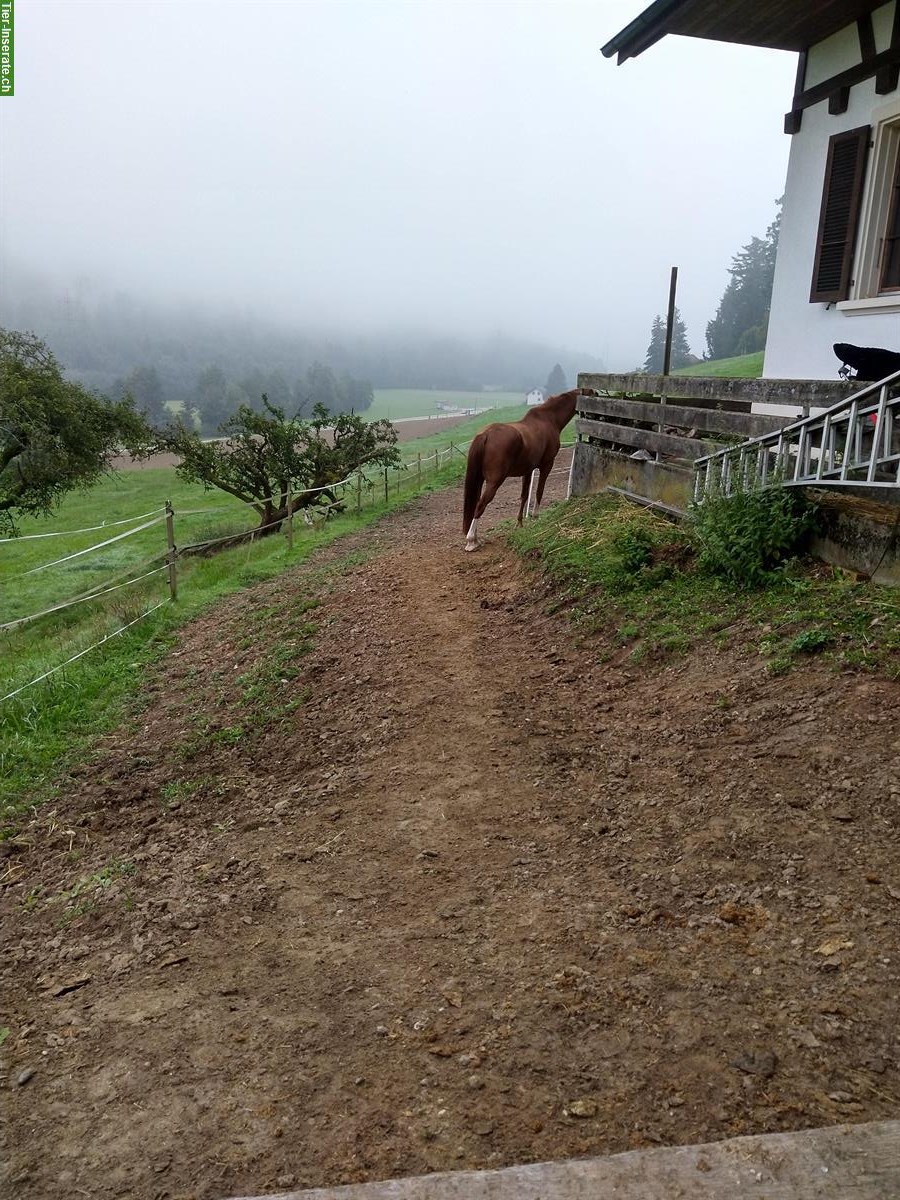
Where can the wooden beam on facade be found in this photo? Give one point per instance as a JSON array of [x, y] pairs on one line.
[[887, 62], [794, 119], [839, 101], [887, 78], [866, 35]]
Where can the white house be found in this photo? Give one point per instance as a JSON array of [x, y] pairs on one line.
[[535, 396], [837, 275]]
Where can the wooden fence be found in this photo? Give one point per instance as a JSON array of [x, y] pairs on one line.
[[642, 433]]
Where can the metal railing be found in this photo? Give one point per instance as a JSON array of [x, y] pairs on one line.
[[855, 443]]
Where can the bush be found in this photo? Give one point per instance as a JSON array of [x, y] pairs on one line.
[[744, 537]]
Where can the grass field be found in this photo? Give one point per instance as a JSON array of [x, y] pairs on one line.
[[394, 404], [746, 366]]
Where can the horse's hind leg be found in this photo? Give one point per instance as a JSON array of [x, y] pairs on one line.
[[490, 491], [523, 500], [540, 488]]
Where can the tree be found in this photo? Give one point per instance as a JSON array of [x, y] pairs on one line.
[[556, 381], [654, 359], [742, 318], [144, 386], [265, 454], [54, 435], [211, 399]]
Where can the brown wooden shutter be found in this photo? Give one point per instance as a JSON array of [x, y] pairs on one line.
[[841, 199]]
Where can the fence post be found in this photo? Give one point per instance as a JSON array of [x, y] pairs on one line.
[[385, 485], [171, 551], [290, 518], [419, 469], [359, 493]]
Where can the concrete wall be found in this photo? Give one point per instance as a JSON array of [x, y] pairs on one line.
[[859, 533], [801, 334], [595, 468]]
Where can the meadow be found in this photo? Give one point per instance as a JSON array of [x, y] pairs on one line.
[[396, 404], [745, 366]]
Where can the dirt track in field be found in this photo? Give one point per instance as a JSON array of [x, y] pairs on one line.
[[453, 894], [407, 431]]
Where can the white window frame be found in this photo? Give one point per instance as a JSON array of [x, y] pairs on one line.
[[865, 294]]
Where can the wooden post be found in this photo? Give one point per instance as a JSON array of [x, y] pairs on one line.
[[419, 468], [359, 493], [171, 551], [667, 354], [385, 485], [670, 322], [290, 518]]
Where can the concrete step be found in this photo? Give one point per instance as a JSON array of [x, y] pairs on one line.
[[842, 1162]]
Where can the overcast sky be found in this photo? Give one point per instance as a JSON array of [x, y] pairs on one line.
[[457, 166]]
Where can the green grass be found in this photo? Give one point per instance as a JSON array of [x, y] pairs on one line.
[[746, 366], [394, 404], [620, 568]]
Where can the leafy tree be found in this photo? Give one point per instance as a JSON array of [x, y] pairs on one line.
[[654, 359], [742, 318], [265, 454], [144, 385], [210, 398], [322, 387], [54, 434], [556, 381]]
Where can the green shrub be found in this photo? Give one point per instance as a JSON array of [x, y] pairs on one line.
[[744, 537]]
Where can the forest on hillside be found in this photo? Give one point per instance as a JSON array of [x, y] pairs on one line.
[[165, 354]]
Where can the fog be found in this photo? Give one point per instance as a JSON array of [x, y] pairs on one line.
[[462, 168]]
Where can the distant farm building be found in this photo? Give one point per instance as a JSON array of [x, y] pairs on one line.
[[535, 396]]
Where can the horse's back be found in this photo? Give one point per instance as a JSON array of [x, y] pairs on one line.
[[515, 447]]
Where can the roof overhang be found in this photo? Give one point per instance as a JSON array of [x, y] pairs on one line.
[[776, 24]]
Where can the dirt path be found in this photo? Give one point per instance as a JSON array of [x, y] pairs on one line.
[[430, 886]]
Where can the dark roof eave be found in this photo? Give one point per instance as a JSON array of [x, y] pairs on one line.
[[642, 31]]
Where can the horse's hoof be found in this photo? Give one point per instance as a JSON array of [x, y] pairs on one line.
[[470, 546]]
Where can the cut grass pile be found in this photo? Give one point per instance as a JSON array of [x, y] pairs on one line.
[[613, 564]]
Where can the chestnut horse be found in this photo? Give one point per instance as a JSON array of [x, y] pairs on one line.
[[517, 448]]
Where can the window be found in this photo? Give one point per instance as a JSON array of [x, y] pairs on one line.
[[874, 282], [890, 256]]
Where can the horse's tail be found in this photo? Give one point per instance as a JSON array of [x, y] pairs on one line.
[[474, 480]]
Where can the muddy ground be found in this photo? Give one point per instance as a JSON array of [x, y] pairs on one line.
[[392, 873]]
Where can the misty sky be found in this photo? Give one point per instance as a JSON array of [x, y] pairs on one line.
[[468, 167]]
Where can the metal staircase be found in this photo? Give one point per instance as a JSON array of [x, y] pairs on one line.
[[855, 443]]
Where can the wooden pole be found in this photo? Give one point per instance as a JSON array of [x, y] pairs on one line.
[[670, 322], [359, 493], [171, 551], [670, 331], [290, 518], [419, 468], [385, 485]]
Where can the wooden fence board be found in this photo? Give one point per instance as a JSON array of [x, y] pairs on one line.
[[744, 425], [646, 439], [813, 393]]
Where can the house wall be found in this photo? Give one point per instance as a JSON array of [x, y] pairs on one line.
[[801, 334]]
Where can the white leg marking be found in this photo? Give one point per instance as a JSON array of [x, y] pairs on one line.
[[472, 537]]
